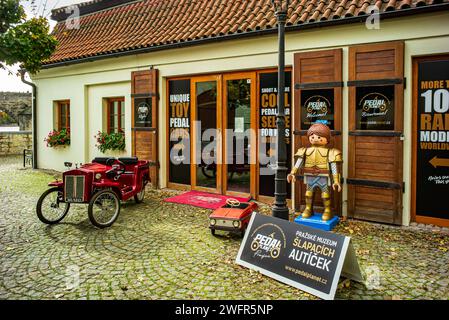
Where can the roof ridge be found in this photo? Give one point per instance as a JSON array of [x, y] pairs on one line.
[[88, 7]]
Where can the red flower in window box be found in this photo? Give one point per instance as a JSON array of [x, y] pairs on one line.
[[110, 141], [58, 138]]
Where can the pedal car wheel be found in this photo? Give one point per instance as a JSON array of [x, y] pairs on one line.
[[51, 207], [140, 196], [104, 208]]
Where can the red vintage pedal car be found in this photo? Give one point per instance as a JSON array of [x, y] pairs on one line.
[[234, 216], [102, 184]]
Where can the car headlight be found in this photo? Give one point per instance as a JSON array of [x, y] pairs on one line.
[[213, 222], [236, 224], [98, 176]]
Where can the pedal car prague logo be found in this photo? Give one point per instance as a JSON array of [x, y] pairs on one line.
[[374, 104], [317, 106], [268, 241]]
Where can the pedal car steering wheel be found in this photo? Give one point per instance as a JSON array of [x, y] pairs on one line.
[[233, 203], [118, 167]]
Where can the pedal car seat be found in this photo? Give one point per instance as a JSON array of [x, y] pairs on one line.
[[129, 161], [101, 160]]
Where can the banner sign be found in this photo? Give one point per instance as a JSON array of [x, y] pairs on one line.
[[432, 158], [179, 128], [268, 105], [317, 106], [143, 113], [306, 258], [375, 108]]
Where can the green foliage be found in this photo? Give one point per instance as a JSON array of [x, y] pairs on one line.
[[24, 41], [58, 138], [11, 12], [5, 118], [110, 141]]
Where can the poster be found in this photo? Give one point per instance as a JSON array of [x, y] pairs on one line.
[[317, 106], [432, 158], [267, 128], [306, 258], [143, 113], [375, 108], [179, 129]]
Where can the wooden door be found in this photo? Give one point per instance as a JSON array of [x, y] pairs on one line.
[[239, 134], [318, 79], [376, 132], [144, 119], [206, 117]]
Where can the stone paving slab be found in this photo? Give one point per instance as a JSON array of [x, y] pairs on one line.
[[159, 250]]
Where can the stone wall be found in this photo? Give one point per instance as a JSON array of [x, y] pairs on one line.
[[13, 143], [18, 107]]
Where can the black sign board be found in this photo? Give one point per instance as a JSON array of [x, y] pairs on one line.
[[306, 258], [432, 158], [143, 112], [268, 98], [317, 106], [375, 108], [179, 128]]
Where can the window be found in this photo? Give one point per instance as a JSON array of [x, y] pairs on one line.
[[63, 115], [116, 115]]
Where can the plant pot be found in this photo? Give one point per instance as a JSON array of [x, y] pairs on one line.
[[59, 147], [115, 153]]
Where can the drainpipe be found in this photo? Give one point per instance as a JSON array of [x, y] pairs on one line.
[[34, 107]]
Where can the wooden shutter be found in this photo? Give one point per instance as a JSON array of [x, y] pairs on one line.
[[317, 70], [375, 156], [144, 139]]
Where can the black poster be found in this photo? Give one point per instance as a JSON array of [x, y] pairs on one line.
[[143, 113], [375, 108], [179, 129], [267, 128], [432, 166], [317, 106], [306, 258]]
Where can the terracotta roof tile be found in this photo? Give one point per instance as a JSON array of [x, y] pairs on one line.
[[126, 25]]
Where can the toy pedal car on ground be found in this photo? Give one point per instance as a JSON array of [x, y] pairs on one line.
[[102, 184], [233, 217]]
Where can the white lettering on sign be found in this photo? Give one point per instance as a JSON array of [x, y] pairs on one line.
[[440, 99], [180, 97], [179, 123], [310, 258], [317, 105], [434, 136], [375, 104]]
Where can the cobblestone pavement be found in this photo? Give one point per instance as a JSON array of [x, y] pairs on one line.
[[160, 250]]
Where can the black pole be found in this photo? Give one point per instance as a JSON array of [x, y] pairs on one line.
[[280, 209], [34, 115]]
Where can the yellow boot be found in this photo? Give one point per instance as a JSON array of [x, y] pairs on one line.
[[327, 214], [307, 213]]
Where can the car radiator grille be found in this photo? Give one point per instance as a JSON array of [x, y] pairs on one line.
[[74, 188]]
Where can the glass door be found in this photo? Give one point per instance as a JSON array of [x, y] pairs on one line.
[[206, 141], [239, 136]]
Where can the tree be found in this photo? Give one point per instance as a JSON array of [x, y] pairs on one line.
[[23, 41]]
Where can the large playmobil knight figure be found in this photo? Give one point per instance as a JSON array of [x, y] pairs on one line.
[[320, 169]]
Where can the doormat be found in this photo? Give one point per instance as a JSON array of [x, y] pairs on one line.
[[203, 199]]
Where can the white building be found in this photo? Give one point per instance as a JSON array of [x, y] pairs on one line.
[[212, 60]]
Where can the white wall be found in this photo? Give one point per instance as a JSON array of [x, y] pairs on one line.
[[86, 83], [96, 117]]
